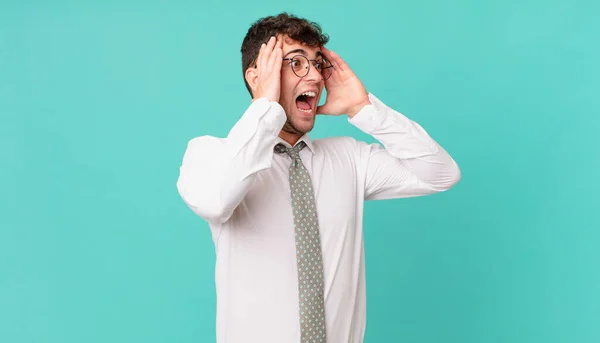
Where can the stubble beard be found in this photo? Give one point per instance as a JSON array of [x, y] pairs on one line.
[[290, 128]]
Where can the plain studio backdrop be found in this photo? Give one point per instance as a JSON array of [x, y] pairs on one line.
[[98, 101]]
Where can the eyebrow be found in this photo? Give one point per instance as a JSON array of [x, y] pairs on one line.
[[303, 52]]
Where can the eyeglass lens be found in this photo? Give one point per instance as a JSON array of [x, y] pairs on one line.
[[300, 65]]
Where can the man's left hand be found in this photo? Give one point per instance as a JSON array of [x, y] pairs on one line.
[[345, 92]]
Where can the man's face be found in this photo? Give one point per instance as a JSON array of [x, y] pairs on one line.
[[300, 96]]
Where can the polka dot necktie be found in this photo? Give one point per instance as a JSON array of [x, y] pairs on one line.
[[308, 249]]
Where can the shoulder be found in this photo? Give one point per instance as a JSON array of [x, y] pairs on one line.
[[205, 141], [344, 142], [342, 146], [341, 142], [205, 146]]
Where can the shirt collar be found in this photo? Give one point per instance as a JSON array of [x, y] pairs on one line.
[[305, 138]]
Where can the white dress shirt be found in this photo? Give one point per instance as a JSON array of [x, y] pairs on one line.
[[240, 186]]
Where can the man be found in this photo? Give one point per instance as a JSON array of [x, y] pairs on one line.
[[286, 211]]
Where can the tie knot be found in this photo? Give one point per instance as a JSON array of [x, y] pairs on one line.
[[293, 152]]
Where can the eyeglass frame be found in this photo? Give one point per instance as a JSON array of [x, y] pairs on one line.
[[309, 65]]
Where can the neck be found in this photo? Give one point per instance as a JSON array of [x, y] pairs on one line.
[[291, 138]]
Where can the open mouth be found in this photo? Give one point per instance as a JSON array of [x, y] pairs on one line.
[[305, 102]]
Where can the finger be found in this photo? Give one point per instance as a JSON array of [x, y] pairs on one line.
[[323, 109], [273, 58], [336, 70], [280, 44], [264, 54], [279, 59], [340, 61], [325, 53], [261, 57], [270, 52], [335, 59]]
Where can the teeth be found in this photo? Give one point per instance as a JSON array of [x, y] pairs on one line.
[[308, 94]]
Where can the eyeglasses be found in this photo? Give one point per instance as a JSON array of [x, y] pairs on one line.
[[301, 66]]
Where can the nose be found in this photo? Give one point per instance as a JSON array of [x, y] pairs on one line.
[[313, 74]]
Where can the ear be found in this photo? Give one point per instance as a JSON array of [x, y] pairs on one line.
[[252, 78]]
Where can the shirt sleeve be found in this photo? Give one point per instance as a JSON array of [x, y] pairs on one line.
[[216, 173], [410, 163]]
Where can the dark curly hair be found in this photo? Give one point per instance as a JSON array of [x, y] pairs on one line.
[[298, 29]]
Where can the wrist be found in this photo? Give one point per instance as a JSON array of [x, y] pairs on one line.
[[272, 95], [270, 98], [355, 109]]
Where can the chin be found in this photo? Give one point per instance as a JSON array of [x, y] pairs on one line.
[[300, 126], [305, 127], [304, 121]]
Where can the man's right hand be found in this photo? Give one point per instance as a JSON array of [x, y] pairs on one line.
[[268, 66]]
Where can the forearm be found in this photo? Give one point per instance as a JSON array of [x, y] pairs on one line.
[[402, 137], [249, 149], [216, 174], [408, 142]]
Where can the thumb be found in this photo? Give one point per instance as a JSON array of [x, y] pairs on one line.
[[323, 108]]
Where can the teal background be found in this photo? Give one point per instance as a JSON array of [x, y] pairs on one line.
[[98, 101]]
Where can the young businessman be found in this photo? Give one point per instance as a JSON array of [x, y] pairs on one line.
[[286, 211]]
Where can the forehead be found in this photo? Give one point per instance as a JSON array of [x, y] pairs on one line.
[[292, 47]]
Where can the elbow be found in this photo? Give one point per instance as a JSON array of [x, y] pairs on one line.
[[443, 178], [456, 175], [453, 176], [202, 202]]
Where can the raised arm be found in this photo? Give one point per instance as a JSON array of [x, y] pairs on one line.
[[410, 163], [215, 173]]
